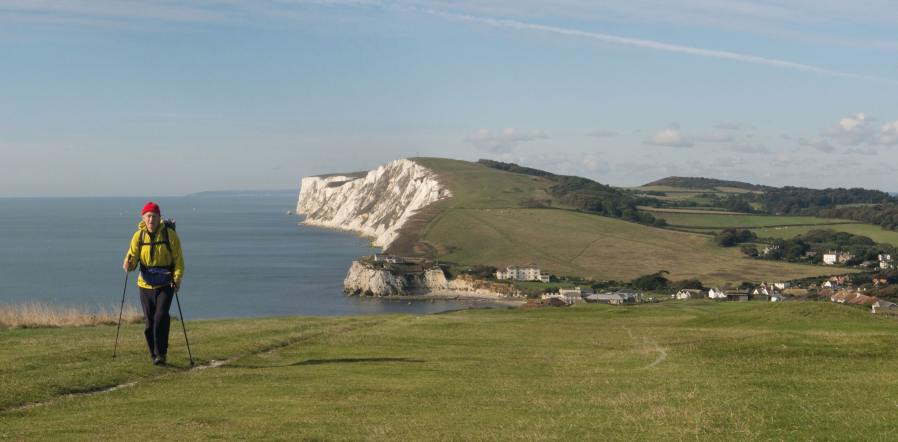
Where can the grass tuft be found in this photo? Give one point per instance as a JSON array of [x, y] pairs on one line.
[[39, 315]]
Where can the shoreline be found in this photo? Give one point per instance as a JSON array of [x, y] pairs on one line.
[[474, 297]]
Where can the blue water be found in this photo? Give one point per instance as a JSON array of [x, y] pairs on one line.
[[244, 257]]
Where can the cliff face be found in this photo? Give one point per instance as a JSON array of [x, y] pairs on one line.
[[363, 278], [375, 205]]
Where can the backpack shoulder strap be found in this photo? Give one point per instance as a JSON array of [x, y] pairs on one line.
[[167, 242]]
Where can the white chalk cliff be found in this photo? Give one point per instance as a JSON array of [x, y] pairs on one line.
[[375, 205], [364, 279]]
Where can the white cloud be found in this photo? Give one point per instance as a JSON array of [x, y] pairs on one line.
[[851, 161], [501, 142], [716, 137], [745, 147], [888, 135], [672, 138], [866, 150], [603, 133], [851, 130], [593, 163], [818, 143], [785, 137], [729, 125], [649, 44]]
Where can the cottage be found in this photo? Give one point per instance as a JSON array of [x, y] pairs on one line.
[[688, 294], [381, 256], [775, 297], [764, 290], [885, 306], [717, 293], [860, 299], [885, 262], [569, 295]]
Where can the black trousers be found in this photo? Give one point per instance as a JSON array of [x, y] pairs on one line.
[[156, 303]]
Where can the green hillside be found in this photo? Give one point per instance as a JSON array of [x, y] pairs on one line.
[[679, 370], [488, 222]]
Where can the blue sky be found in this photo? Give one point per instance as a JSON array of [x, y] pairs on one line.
[[107, 97]]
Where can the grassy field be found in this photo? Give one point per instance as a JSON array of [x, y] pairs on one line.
[[873, 232], [719, 221], [570, 243], [485, 224], [696, 210], [688, 370]]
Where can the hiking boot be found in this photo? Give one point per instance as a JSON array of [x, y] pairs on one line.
[[159, 360]]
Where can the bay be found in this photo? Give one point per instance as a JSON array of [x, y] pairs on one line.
[[244, 257]]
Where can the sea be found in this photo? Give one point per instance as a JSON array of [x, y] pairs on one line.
[[244, 257]]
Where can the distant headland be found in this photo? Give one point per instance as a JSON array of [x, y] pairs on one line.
[[221, 193]]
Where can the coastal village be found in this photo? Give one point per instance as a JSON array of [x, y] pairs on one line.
[[837, 289]]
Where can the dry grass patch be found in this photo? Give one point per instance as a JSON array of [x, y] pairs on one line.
[[39, 315]]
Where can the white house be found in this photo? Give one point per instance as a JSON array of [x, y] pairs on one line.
[[569, 295], [832, 285], [381, 256], [775, 297], [526, 273], [885, 261], [688, 294], [717, 293], [830, 258], [782, 285]]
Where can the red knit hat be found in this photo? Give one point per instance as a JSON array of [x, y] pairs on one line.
[[151, 207]]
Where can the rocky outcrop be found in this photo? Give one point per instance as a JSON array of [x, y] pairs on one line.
[[364, 279], [374, 204]]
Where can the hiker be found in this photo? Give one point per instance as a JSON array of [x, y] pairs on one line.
[[157, 249]]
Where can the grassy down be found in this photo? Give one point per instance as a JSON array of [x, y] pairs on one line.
[[873, 232], [687, 370], [485, 224], [570, 243], [718, 221]]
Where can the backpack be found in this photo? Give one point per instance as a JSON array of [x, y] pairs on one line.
[[157, 275]]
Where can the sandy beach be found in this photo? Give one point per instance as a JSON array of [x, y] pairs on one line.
[[476, 297]]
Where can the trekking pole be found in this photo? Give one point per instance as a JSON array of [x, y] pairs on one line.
[[181, 314], [120, 316]]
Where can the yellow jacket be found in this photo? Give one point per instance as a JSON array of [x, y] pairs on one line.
[[161, 256]]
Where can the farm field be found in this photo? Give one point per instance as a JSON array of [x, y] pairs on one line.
[[577, 244], [686, 370], [873, 232], [695, 210], [717, 221]]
